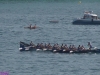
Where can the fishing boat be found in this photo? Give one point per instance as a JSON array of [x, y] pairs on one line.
[[89, 18], [28, 47]]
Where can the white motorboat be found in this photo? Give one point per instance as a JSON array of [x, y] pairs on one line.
[[88, 19]]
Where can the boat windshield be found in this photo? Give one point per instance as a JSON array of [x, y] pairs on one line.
[[90, 16], [94, 17]]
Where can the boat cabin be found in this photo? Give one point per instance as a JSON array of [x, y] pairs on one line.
[[89, 15]]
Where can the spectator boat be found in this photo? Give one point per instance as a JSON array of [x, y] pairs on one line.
[[88, 19]]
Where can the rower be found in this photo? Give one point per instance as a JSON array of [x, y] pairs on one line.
[[65, 47], [30, 26], [79, 48], [41, 46], [48, 45], [45, 45], [38, 46], [34, 26], [54, 47], [82, 47], [31, 44], [70, 47], [73, 48], [62, 47]]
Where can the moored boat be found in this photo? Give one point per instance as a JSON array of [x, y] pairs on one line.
[[88, 19]]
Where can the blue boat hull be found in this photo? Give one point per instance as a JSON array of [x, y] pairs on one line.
[[82, 22]]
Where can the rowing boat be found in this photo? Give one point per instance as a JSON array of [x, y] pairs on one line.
[[27, 47]]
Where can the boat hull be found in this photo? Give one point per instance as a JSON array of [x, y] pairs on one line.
[[27, 47], [62, 51], [86, 22]]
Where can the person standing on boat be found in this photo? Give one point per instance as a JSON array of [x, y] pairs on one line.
[[90, 46]]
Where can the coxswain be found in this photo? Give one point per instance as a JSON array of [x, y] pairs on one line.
[[89, 45]]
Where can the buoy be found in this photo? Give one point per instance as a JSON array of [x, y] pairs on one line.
[[79, 2]]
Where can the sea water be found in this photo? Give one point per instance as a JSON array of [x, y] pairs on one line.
[[17, 14]]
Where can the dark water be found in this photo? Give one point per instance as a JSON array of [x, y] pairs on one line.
[[15, 15]]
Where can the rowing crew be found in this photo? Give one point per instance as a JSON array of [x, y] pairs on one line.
[[31, 27], [55, 46]]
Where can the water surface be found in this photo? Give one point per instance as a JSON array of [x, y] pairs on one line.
[[15, 15]]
